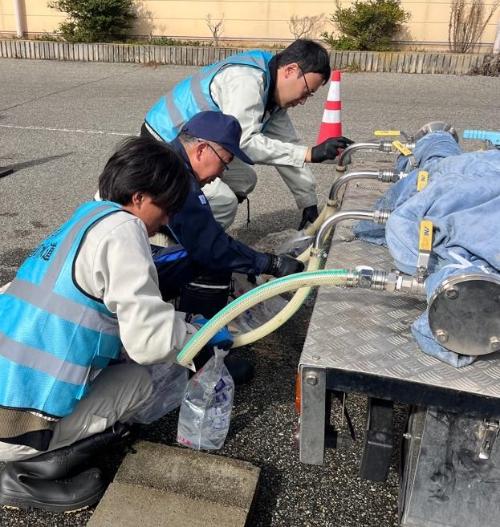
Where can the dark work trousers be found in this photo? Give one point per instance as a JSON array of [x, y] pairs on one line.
[[199, 290]]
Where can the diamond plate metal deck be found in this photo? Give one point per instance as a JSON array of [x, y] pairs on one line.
[[368, 332]]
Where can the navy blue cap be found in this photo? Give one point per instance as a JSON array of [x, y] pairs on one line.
[[225, 130]]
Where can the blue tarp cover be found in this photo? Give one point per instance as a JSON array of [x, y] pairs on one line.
[[462, 199]]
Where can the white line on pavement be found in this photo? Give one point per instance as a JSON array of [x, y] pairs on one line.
[[102, 132]]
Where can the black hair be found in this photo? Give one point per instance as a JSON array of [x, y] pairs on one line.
[[143, 164], [309, 55]]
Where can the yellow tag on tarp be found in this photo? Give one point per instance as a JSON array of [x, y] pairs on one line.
[[386, 133], [401, 148], [425, 236], [422, 180]]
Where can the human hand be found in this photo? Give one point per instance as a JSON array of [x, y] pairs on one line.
[[222, 339], [283, 265], [329, 149]]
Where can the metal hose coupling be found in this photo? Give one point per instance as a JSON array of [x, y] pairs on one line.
[[398, 282], [382, 146], [368, 278], [381, 216], [386, 176], [390, 176]]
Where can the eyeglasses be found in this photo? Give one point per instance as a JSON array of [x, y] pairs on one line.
[[224, 164], [309, 92]]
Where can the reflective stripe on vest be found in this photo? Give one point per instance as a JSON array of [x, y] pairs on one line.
[[192, 95], [51, 333]]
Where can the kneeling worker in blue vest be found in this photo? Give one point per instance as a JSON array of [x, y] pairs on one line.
[[257, 88], [89, 290]]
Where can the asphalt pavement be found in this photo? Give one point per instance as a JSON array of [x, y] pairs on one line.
[[60, 121]]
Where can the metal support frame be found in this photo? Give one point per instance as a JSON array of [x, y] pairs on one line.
[[312, 415], [377, 450]]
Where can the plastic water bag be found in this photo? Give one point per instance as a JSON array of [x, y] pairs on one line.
[[206, 407]]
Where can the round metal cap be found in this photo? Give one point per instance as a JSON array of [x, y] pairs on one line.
[[466, 310], [436, 126]]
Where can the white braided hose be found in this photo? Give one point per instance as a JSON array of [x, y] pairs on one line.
[[280, 318], [335, 277]]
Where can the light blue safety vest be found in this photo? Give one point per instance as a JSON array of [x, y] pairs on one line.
[[51, 332], [192, 95]]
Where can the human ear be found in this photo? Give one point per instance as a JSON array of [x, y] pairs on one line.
[[137, 199], [199, 150], [291, 69]]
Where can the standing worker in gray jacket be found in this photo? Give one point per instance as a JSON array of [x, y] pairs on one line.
[[256, 87]]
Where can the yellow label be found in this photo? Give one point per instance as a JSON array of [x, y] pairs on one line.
[[425, 236], [400, 147], [386, 133], [422, 180]]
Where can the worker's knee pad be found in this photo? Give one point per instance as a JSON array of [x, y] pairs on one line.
[[206, 294]]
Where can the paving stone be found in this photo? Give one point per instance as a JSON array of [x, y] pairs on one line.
[[165, 485]]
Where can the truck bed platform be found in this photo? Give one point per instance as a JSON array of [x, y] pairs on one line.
[[360, 341]]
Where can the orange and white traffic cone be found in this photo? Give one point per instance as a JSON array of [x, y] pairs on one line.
[[331, 124]]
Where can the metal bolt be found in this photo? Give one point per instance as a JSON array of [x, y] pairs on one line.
[[442, 335], [495, 344], [452, 293], [312, 379], [407, 436]]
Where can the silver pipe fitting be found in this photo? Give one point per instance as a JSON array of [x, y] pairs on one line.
[[379, 216], [393, 282], [386, 176], [345, 156], [397, 282]]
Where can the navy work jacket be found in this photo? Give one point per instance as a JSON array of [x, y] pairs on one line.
[[206, 242]]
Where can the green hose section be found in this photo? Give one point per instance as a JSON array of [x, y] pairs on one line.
[[337, 277], [287, 312]]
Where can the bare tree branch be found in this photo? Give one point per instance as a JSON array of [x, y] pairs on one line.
[[467, 23], [216, 28], [305, 26]]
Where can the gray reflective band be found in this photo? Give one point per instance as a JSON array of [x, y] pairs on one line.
[[198, 94], [42, 361], [55, 267], [47, 300], [175, 115], [153, 133]]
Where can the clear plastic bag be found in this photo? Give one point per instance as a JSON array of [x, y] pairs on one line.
[[289, 241], [257, 315], [169, 385], [206, 406]]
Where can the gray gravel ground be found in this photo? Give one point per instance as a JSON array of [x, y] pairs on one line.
[[59, 123]]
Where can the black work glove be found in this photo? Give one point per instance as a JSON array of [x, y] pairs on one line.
[[329, 149], [309, 215], [283, 265]]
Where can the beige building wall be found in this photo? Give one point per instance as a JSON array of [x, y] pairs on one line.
[[258, 21]]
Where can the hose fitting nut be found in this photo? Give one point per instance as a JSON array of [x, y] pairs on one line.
[[388, 176], [381, 216], [365, 277]]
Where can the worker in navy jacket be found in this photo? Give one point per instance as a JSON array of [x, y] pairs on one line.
[[207, 144]]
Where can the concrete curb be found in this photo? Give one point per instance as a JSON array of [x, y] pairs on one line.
[[395, 62], [163, 485]]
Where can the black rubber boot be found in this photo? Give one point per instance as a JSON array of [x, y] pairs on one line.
[[241, 370], [67, 461], [20, 490], [206, 294]]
